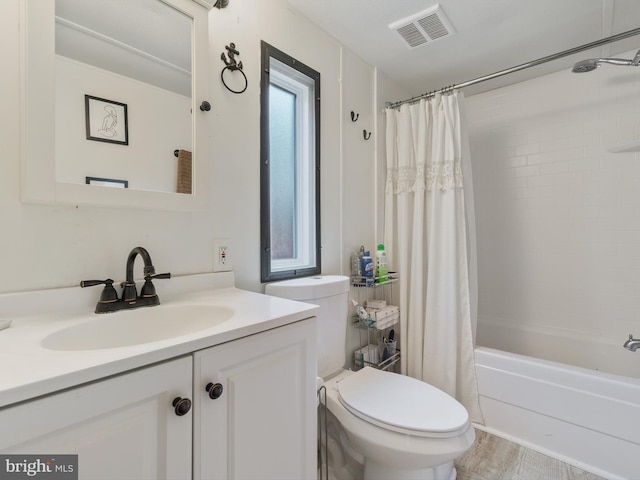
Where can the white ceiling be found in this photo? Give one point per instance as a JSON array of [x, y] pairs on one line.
[[491, 35]]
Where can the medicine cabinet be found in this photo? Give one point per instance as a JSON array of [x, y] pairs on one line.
[[41, 179]]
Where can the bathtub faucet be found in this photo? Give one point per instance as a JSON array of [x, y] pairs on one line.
[[632, 344]]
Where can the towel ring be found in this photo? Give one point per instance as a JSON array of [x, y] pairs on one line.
[[233, 65], [234, 68]]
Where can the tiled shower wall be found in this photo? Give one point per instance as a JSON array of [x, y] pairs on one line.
[[557, 213]]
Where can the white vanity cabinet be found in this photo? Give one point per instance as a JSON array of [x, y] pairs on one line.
[[263, 423], [124, 427], [114, 407]]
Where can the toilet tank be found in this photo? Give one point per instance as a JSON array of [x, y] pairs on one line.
[[331, 294]]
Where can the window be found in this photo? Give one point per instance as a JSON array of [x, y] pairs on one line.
[[290, 167]]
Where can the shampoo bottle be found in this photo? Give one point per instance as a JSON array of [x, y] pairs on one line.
[[381, 264]]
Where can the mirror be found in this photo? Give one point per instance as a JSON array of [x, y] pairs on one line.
[[115, 100], [137, 76]]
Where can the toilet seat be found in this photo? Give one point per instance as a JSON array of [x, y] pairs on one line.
[[402, 404]]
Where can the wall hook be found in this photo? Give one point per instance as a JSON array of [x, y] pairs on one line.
[[366, 135], [205, 106], [354, 116]]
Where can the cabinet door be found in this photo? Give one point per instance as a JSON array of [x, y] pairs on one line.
[[121, 428], [263, 425]]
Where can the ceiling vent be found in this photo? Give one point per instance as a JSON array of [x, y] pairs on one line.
[[424, 27]]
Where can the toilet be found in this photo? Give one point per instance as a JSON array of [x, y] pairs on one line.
[[382, 425]]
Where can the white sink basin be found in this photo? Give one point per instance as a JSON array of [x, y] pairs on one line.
[[135, 327]]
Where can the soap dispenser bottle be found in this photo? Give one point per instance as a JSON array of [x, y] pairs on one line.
[[381, 264]]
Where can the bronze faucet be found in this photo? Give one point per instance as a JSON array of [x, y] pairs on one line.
[[109, 301]]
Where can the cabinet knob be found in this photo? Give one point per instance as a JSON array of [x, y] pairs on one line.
[[214, 389], [182, 406]]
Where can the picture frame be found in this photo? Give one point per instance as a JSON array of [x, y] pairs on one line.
[[106, 120], [107, 182]]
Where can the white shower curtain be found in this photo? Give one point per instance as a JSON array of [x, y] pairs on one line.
[[426, 242]]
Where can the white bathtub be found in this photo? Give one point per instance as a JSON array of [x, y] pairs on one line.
[[583, 417], [594, 352]]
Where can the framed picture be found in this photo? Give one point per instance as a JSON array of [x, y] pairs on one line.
[[106, 120], [107, 182]]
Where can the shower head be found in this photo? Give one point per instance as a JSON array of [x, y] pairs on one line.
[[593, 63], [585, 66]]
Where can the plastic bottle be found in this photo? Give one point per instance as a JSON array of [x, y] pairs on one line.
[[381, 264], [356, 264], [367, 268]]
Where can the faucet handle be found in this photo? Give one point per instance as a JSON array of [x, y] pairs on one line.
[[93, 283], [148, 289], [108, 294], [158, 275]]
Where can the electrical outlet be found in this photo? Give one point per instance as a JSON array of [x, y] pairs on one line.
[[222, 255]]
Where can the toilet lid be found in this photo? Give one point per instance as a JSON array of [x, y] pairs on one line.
[[402, 404]]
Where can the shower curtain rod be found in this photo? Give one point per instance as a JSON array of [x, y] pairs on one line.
[[540, 61]]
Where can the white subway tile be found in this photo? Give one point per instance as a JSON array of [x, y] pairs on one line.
[[565, 225], [554, 145], [541, 180], [527, 171], [537, 158], [517, 161], [579, 164], [527, 149], [556, 167]]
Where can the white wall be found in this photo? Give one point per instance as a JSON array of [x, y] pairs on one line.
[[235, 135], [558, 215], [55, 246], [358, 156]]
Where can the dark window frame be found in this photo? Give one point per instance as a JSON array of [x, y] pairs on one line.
[[267, 274]]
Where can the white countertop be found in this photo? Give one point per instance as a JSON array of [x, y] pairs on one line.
[[28, 370]]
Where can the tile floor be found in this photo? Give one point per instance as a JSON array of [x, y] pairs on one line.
[[493, 458]]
